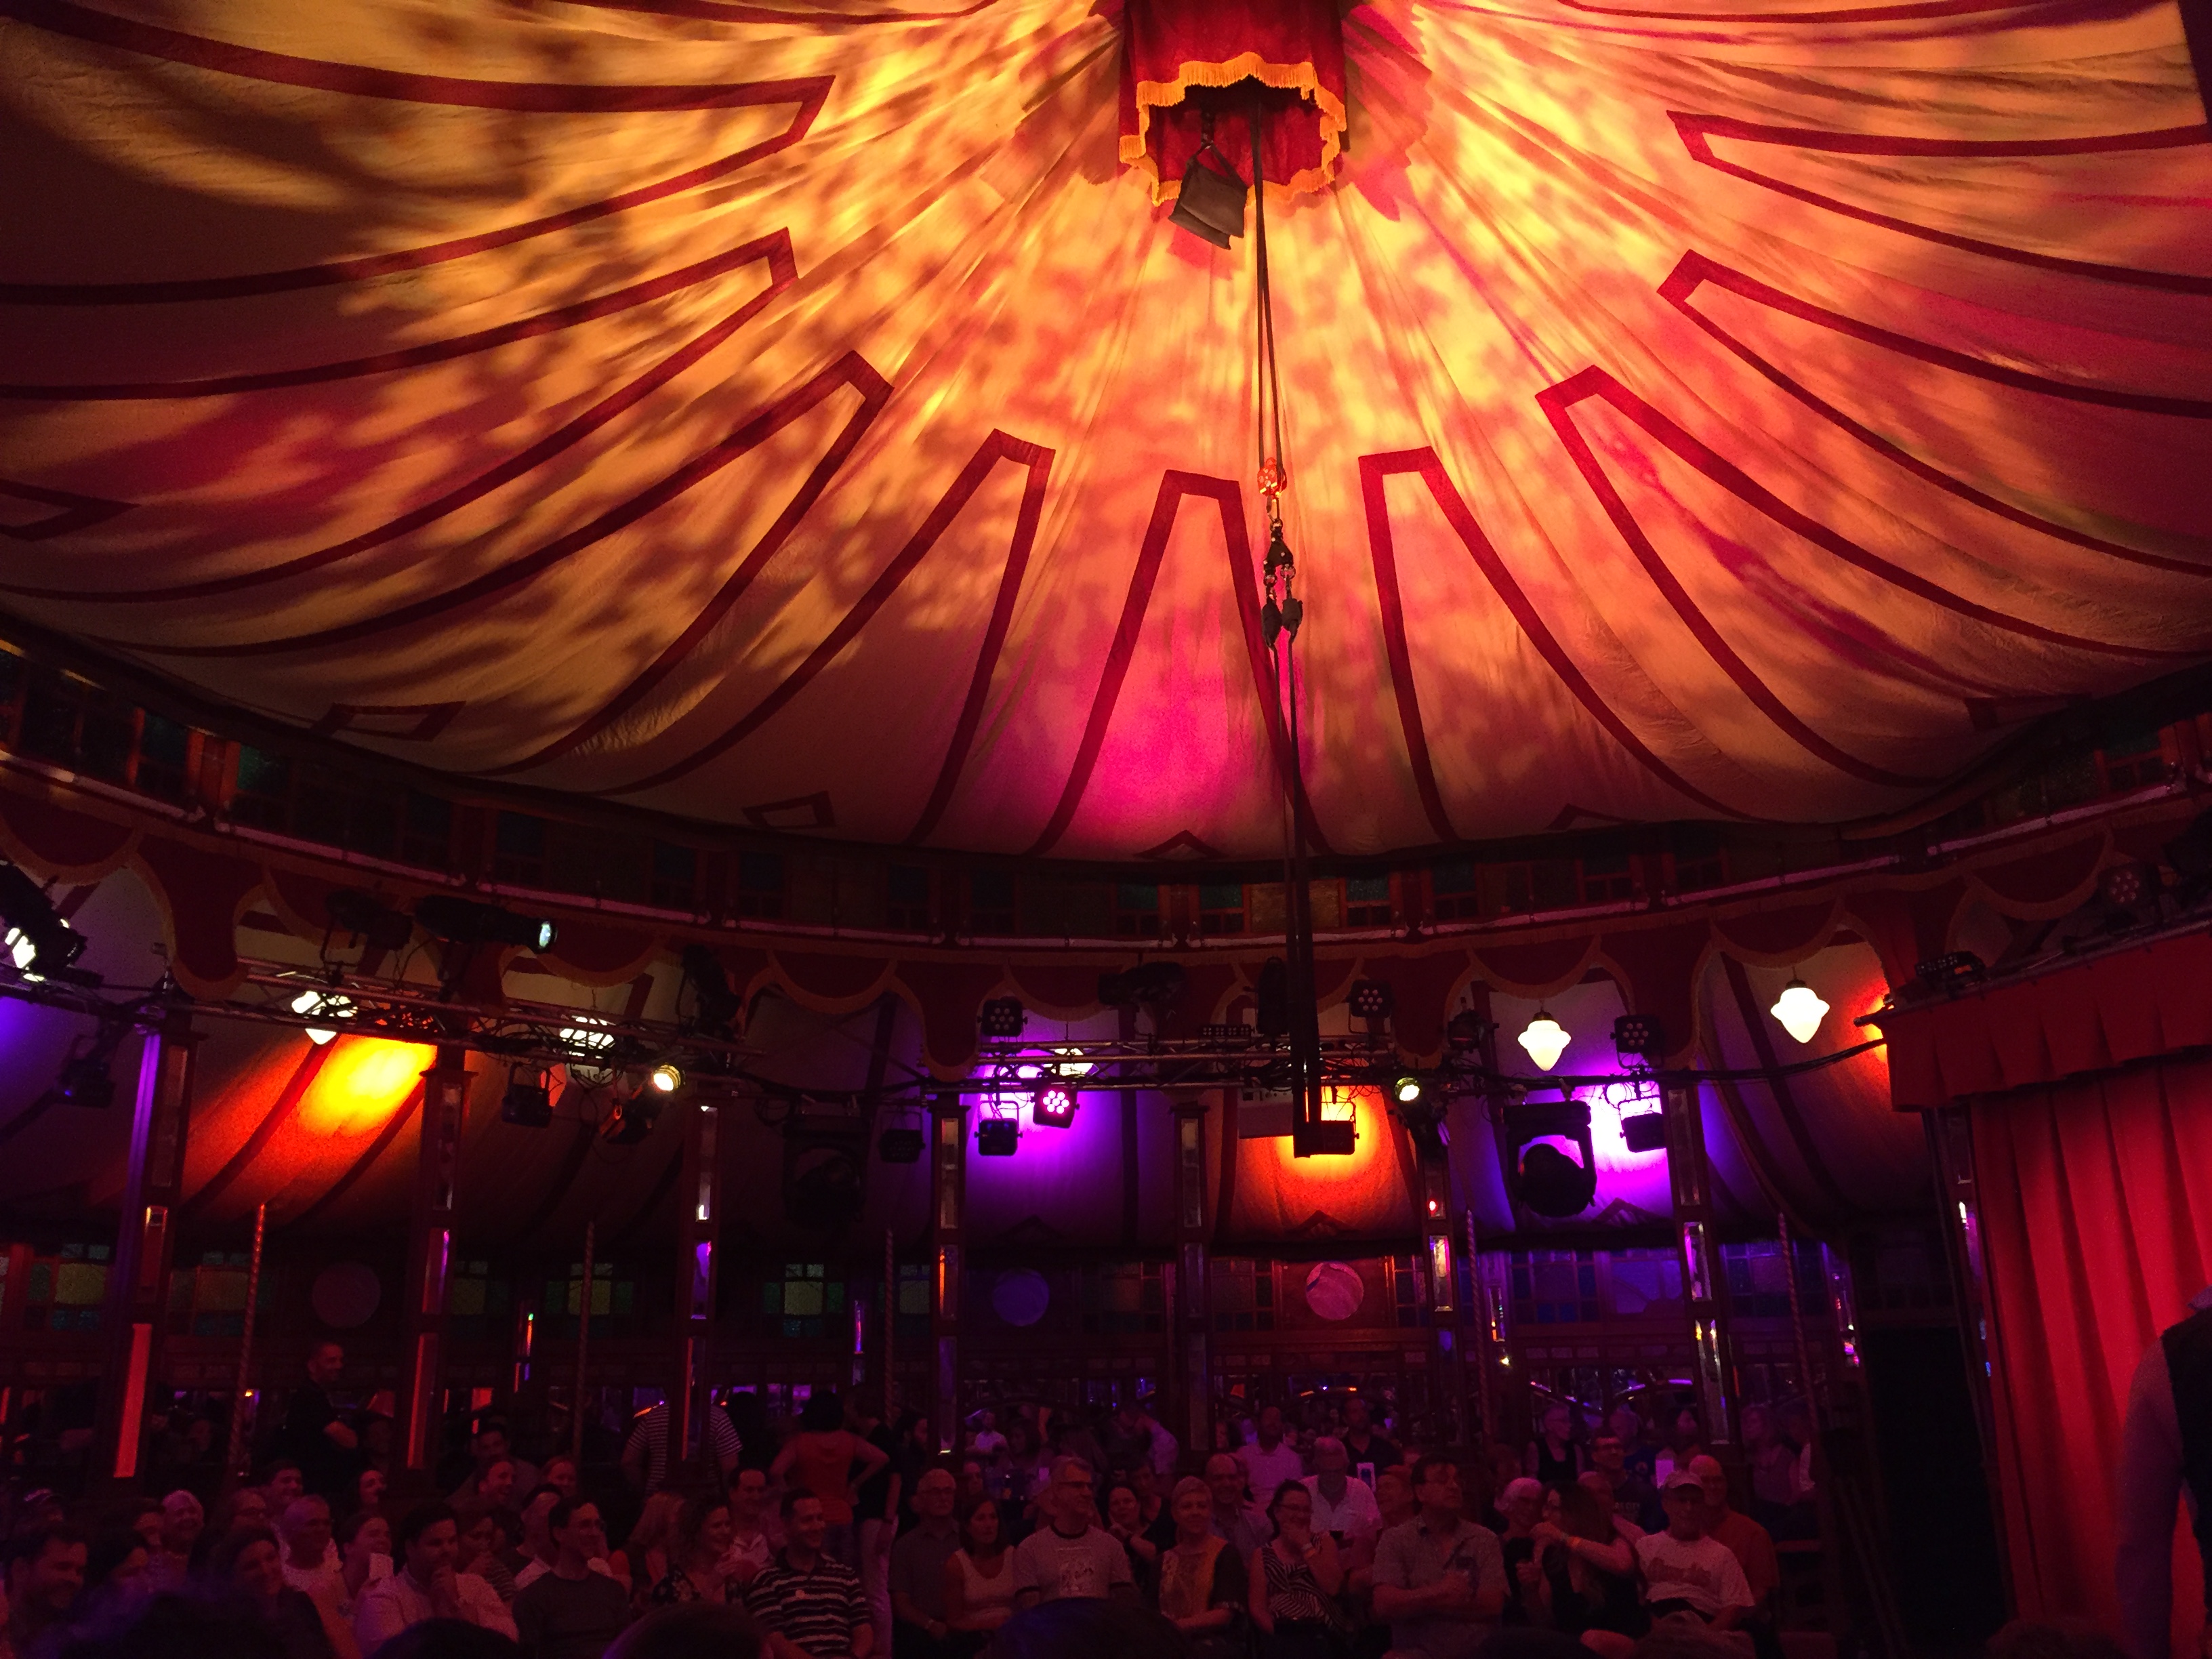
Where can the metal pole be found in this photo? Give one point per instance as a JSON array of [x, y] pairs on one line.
[[1797, 1327], [890, 1322], [233, 1464], [583, 1342]]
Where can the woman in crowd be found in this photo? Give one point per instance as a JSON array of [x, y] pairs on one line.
[[821, 1459], [1555, 1456], [249, 1564], [364, 1539], [116, 1587], [561, 1474], [1294, 1579], [642, 1561], [1202, 1584], [695, 1555], [493, 1486], [1125, 1519], [1158, 1522], [1588, 1568], [979, 1580], [484, 1543]]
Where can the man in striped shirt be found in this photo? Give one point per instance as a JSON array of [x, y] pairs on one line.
[[809, 1604]]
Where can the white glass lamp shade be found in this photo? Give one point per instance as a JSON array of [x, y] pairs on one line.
[[1546, 1040], [1800, 1010]]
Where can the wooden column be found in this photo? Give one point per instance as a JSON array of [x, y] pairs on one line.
[[948, 1184], [1449, 1326], [1703, 1286], [429, 1255], [690, 1398], [1192, 1327], [136, 1314]]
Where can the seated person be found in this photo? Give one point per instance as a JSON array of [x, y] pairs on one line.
[[1686, 1573]]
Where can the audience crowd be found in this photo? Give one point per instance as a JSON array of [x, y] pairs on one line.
[[849, 1537]]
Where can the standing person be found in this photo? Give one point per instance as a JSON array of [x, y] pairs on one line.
[[1203, 1585], [916, 1577], [695, 1564], [808, 1602], [1294, 1580], [1070, 1556], [1684, 1571], [1553, 1457], [573, 1612], [45, 1572], [979, 1582], [1439, 1579], [752, 1539], [1236, 1519], [427, 1585], [645, 1455], [1269, 1459], [1631, 1496], [1370, 1452], [877, 1500], [1342, 1507], [313, 1434], [820, 1460]]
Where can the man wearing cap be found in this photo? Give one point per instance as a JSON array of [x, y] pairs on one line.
[[1684, 1571]]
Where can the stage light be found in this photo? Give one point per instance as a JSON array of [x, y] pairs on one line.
[[38, 941], [715, 1006], [1407, 1091], [321, 1003], [1004, 1016], [1638, 1036], [1372, 998], [1154, 984], [1467, 1030], [1645, 1132], [528, 1101], [997, 1137], [1800, 1010], [1955, 968], [376, 924], [464, 922], [85, 1081], [665, 1078], [631, 1121], [1545, 1039], [1210, 204], [1544, 1177], [1053, 1107], [899, 1145]]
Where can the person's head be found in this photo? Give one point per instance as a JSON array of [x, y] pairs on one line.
[[693, 1630], [147, 1521], [560, 1473], [1712, 1480], [702, 1529], [1225, 1475], [1607, 1452], [1688, 1430], [1594, 1483], [284, 1485], [1291, 1508], [1069, 1495], [1551, 1505], [987, 1421], [580, 1534], [1144, 1482], [1271, 1426], [46, 1571], [934, 1495], [307, 1528], [363, 1533], [428, 1541], [490, 1443], [1020, 1441], [1557, 1421], [1436, 1486], [971, 1483], [1627, 1423], [325, 1361], [1522, 1504], [1683, 1497], [117, 1560], [1357, 1416], [1394, 1490], [368, 1489], [182, 1521], [495, 1483], [1758, 1426], [748, 1498], [823, 1413], [478, 1535], [247, 1560], [980, 1528], [1190, 1506], [804, 1521], [1123, 1508], [1582, 1514], [1330, 1460], [249, 1506]]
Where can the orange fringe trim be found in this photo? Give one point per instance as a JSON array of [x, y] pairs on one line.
[[1153, 94]]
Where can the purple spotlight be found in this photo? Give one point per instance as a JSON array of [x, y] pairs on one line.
[[1053, 1107]]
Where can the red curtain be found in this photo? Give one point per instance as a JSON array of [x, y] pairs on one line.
[[2096, 1211]]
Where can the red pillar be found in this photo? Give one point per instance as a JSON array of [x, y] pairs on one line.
[[136, 1313], [948, 1185], [430, 1253]]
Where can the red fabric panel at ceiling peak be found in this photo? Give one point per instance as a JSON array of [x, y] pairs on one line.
[[2065, 1174], [2082, 1017]]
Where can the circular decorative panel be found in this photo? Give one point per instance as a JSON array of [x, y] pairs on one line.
[[345, 1295], [1021, 1296], [1333, 1291]]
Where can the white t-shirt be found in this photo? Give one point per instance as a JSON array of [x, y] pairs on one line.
[[1356, 1515], [1703, 1573], [1265, 1470], [987, 1441], [390, 1605]]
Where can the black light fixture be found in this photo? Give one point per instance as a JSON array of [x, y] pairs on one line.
[[464, 922], [1157, 985], [997, 1137], [1467, 1030], [902, 1144], [1645, 1132], [86, 1080], [1004, 1016], [631, 1121], [1543, 1176], [39, 941], [1053, 1106], [1272, 994], [1639, 1036], [715, 1006], [1954, 968], [375, 923], [1372, 998], [528, 1101], [1211, 203]]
